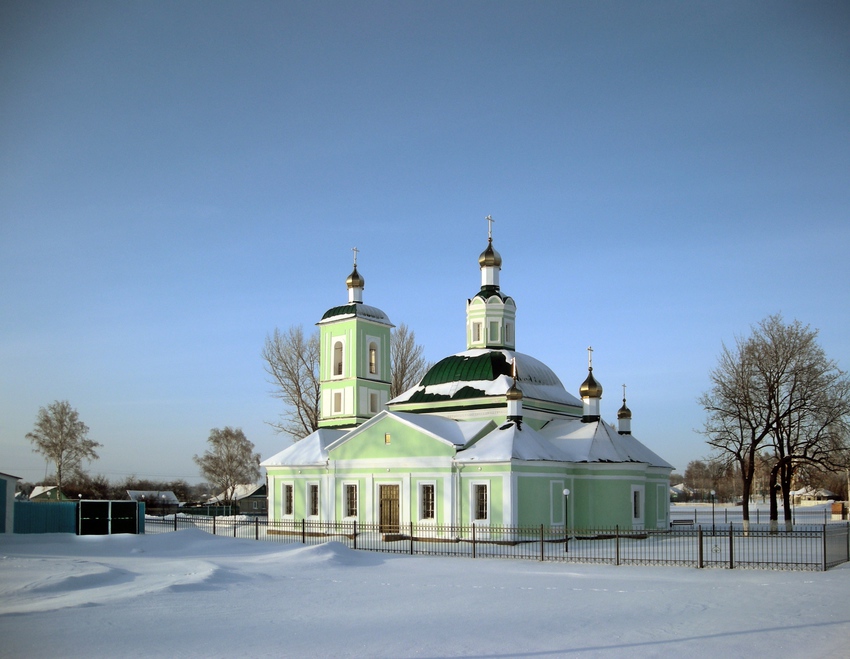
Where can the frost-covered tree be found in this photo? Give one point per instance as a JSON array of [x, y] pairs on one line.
[[62, 438], [229, 461]]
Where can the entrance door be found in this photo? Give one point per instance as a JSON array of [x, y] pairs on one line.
[[389, 508]]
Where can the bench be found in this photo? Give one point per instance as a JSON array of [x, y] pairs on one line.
[[681, 522]]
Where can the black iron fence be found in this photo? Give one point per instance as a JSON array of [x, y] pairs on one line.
[[811, 547], [705, 516]]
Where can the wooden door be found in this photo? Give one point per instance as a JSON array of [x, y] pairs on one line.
[[389, 508]]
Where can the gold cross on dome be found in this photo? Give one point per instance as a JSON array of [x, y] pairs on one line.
[[490, 221], [355, 250], [589, 357]]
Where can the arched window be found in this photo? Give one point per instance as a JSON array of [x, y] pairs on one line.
[[338, 358], [373, 358]]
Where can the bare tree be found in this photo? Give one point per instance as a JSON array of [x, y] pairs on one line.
[[292, 361], [62, 438], [777, 390], [409, 366], [229, 461]]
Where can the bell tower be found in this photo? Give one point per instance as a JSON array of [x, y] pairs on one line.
[[490, 315], [354, 359]]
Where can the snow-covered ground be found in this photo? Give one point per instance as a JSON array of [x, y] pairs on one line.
[[190, 594]]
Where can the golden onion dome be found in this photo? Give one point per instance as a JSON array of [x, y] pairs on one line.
[[590, 388], [514, 393], [355, 280], [490, 257], [624, 412]]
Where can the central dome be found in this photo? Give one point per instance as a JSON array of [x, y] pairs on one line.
[[482, 373]]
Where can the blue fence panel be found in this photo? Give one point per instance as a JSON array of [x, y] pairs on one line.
[[58, 517]]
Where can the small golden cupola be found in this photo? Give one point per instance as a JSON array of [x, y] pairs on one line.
[[490, 261], [355, 283], [514, 399], [624, 417], [590, 392]]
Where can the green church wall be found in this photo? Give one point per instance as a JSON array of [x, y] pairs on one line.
[[390, 438]]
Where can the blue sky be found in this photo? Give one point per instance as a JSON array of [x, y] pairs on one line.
[[178, 179]]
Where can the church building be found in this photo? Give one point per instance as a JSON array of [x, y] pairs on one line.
[[489, 436]]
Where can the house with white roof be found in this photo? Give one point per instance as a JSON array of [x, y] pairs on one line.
[[489, 436]]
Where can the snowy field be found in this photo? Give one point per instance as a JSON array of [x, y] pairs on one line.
[[190, 594]]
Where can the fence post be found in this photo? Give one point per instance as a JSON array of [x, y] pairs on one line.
[[541, 542], [473, 541], [303, 533], [355, 534], [175, 521], [213, 524], [411, 538], [699, 553], [824, 545], [617, 537], [235, 524], [256, 528], [731, 549], [726, 515]]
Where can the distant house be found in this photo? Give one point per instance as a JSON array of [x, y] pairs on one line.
[[47, 493], [680, 492], [7, 502], [154, 499], [248, 499], [811, 494]]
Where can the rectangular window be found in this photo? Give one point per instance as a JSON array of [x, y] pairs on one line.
[[480, 502], [387, 438], [494, 330], [636, 504], [337, 402], [509, 333], [313, 498], [254, 505], [373, 403], [476, 332], [373, 359], [287, 499], [351, 501], [426, 496]]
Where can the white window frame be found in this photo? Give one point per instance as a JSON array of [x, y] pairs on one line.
[[493, 331], [308, 507], [345, 486], [422, 486], [337, 341], [473, 502], [638, 500], [337, 402], [476, 331], [374, 402], [283, 513]]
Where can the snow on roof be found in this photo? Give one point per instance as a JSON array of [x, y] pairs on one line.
[[598, 441], [240, 492], [162, 496], [308, 451], [355, 309], [459, 433], [40, 490], [508, 442], [449, 376]]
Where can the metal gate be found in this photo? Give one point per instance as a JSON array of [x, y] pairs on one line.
[[108, 517]]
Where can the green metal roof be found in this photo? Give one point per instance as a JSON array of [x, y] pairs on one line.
[[487, 292], [462, 368], [359, 310]]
